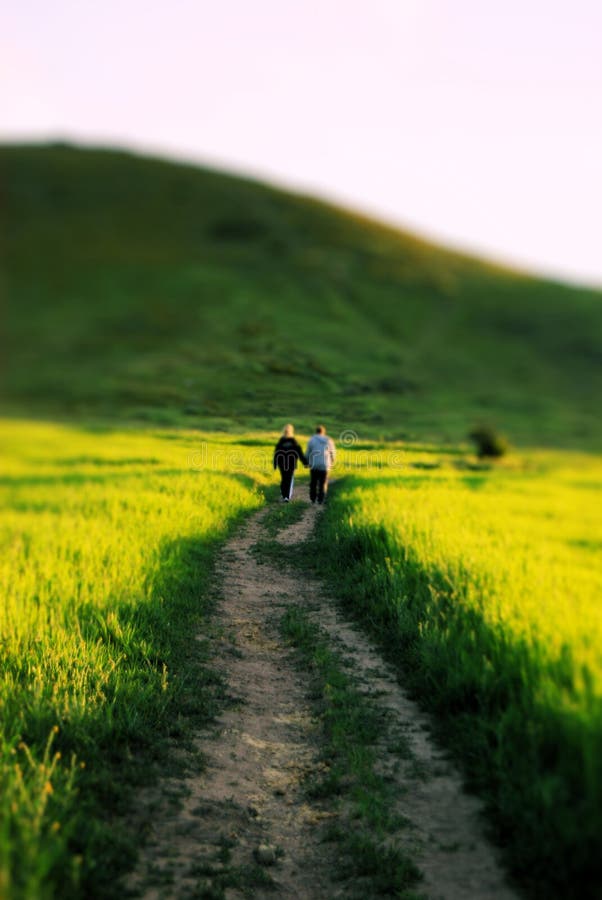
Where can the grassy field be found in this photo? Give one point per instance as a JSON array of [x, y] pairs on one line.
[[108, 540], [170, 317], [142, 290], [485, 581], [484, 578]]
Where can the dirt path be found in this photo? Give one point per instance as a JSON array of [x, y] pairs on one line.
[[250, 794]]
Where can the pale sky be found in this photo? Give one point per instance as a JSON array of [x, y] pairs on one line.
[[477, 123]]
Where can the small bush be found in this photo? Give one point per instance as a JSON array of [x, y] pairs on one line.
[[488, 442]]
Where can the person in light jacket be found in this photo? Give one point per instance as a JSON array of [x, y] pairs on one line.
[[286, 454], [321, 455]]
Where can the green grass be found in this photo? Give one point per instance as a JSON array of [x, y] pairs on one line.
[[147, 291], [484, 582], [106, 574]]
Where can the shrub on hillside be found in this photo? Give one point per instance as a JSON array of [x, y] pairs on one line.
[[488, 441]]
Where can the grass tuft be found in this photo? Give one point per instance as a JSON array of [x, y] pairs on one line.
[[369, 863]]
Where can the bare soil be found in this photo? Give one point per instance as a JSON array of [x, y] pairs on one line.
[[203, 833]]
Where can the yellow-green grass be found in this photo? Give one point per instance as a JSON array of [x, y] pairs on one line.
[[107, 544], [487, 582], [484, 578]]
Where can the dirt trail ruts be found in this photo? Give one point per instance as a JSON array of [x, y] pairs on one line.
[[251, 791]]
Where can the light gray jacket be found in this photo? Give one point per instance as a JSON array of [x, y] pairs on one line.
[[321, 452]]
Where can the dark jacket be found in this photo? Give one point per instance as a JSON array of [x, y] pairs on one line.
[[287, 453]]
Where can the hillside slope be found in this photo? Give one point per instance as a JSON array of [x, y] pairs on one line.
[[146, 290]]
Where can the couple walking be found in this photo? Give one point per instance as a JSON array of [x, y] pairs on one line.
[[320, 458]]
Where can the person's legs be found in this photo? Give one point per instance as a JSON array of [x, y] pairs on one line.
[[313, 484], [285, 483], [322, 485]]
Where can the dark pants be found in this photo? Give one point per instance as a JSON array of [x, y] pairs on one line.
[[286, 483], [318, 484]]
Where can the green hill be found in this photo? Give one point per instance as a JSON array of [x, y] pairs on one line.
[[144, 290]]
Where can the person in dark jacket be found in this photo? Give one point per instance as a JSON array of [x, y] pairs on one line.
[[286, 456]]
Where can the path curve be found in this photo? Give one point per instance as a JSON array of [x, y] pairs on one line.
[[263, 746]]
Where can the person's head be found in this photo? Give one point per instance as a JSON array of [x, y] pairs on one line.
[[288, 431], [320, 429]]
